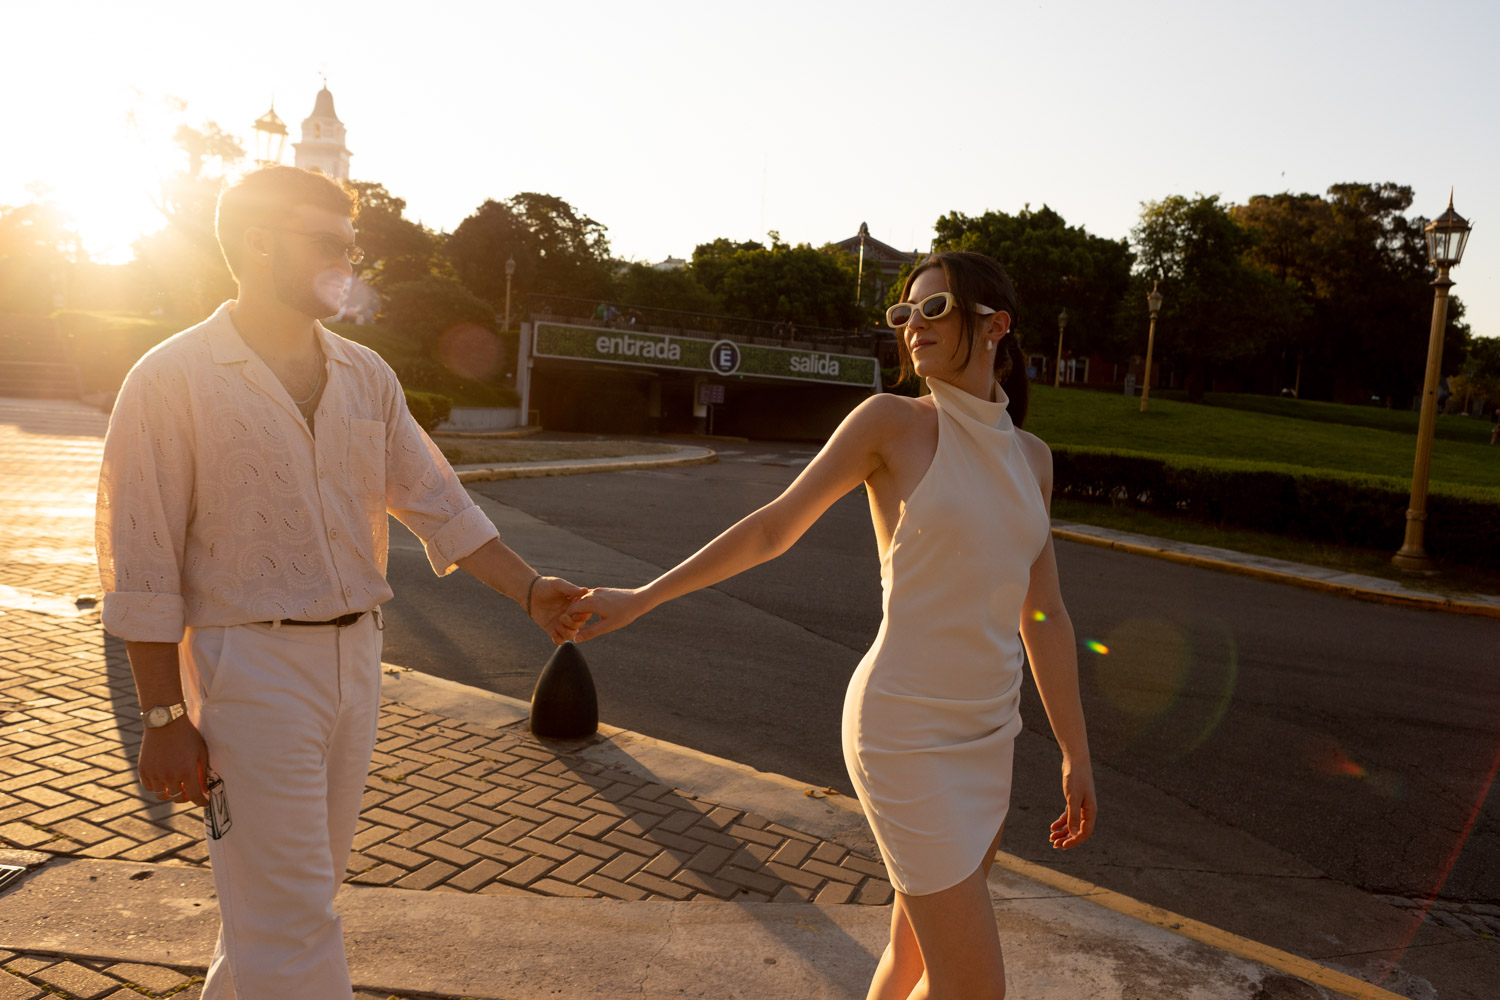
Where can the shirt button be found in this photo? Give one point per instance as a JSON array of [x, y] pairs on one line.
[[333, 532], [348, 591]]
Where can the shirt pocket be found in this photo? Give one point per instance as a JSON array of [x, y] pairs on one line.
[[367, 460]]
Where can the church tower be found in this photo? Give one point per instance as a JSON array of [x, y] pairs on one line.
[[322, 146]]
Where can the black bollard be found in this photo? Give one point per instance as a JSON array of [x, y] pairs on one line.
[[563, 703]]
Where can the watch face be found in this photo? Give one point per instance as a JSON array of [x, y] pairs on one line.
[[158, 716]]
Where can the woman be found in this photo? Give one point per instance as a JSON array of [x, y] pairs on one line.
[[959, 498]]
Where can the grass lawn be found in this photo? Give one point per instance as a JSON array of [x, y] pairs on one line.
[[1296, 432], [106, 344], [1450, 427]]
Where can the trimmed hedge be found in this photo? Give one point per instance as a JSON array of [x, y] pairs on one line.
[[1463, 523], [428, 409]]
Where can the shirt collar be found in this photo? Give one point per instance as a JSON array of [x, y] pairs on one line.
[[227, 347]]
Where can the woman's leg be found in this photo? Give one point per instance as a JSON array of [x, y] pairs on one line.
[[900, 968], [955, 930], [958, 944]]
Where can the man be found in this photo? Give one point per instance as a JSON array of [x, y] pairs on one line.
[[248, 471]]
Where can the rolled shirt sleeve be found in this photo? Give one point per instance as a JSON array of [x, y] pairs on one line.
[[145, 491], [424, 493]]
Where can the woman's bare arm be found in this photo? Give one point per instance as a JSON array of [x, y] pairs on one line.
[[1052, 649], [851, 456]]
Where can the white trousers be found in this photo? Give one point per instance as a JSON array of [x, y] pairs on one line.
[[289, 715]]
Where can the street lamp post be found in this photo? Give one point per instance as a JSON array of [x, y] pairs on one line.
[[1153, 302], [270, 138], [1447, 235], [1062, 324], [510, 271]]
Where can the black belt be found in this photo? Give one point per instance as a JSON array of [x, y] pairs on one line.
[[340, 622]]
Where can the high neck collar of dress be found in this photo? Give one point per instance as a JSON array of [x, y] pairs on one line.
[[991, 413]]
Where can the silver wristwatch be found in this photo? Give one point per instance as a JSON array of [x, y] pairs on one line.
[[155, 718]]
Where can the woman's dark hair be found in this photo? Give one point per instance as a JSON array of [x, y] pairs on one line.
[[266, 197], [975, 279]]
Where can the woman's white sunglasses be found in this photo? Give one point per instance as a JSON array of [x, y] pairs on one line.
[[933, 307]]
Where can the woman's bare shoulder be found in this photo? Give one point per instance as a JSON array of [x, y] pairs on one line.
[[1033, 444], [1038, 456], [888, 411]]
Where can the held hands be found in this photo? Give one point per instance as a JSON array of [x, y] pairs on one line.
[[615, 608], [174, 763], [551, 607], [1076, 824]]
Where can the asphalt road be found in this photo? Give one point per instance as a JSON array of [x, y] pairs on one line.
[[1358, 739]]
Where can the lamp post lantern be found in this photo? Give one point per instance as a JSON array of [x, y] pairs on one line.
[[1153, 302], [1447, 235], [1062, 324], [510, 272], [270, 138]]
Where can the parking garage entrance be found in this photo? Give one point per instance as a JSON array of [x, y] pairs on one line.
[[639, 380]]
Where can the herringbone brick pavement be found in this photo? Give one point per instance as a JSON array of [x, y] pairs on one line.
[[31, 976], [449, 806]]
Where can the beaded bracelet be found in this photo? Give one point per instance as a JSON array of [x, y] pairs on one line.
[[528, 593]]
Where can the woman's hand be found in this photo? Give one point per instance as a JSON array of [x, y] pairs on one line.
[[615, 608], [1076, 824]]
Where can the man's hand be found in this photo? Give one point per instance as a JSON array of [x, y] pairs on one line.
[[174, 763], [551, 599]]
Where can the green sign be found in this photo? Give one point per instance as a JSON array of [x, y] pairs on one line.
[[655, 350]]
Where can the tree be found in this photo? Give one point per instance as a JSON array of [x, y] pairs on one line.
[[180, 267], [396, 249], [1217, 307], [207, 143], [1054, 266], [1358, 267], [645, 286], [424, 309], [37, 250], [780, 283], [557, 251], [1481, 370]]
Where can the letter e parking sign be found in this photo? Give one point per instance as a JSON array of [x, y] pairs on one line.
[[724, 357]]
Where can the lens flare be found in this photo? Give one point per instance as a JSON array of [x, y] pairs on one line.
[[1038, 616], [1329, 758], [1458, 848], [1341, 764], [469, 351], [1228, 679], [1169, 684]]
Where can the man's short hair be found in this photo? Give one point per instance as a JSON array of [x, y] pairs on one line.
[[266, 197]]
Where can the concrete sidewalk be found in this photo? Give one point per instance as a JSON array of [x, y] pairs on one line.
[[487, 864]]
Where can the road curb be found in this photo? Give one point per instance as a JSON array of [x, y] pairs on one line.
[[539, 471], [514, 432], [429, 693], [1260, 573], [1284, 961]]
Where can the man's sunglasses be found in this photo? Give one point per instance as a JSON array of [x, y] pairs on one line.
[[331, 244], [934, 307]]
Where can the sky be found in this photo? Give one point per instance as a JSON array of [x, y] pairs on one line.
[[676, 123]]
